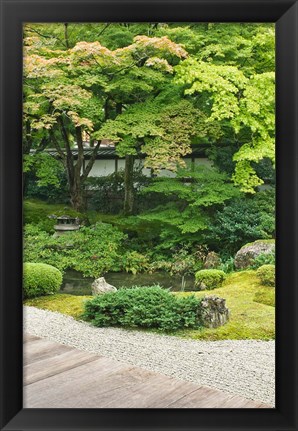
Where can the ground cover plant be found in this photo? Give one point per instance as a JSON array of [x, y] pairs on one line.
[[265, 295]]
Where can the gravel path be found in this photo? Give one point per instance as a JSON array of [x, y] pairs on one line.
[[244, 367]]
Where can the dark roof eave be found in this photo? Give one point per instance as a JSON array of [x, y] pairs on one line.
[[110, 153]]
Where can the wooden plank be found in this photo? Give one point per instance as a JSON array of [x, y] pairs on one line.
[[201, 397], [237, 401], [157, 391], [205, 397], [28, 337], [81, 387], [42, 349], [58, 376], [49, 367]]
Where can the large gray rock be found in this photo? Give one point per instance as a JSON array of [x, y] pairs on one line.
[[100, 286], [246, 255], [212, 260], [213, 312]]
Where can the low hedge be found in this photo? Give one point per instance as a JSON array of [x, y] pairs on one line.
[[143, 307], [209, 279], [266, 274], [40, 279]]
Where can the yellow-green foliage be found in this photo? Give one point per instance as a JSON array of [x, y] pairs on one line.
[[41, 279], [266, 274], [209, 278], [248, 320], [265, 295], [71, 305]]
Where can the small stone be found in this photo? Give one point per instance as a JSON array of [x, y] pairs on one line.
[[212, 261], [100, 286], [213, 312]]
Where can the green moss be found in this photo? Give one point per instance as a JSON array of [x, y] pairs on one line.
[[265, 295], [37, 212], [258, 241], [249, 319], [95, 216], [70, 305]]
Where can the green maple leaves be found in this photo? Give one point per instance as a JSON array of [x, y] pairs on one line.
[[245, 102]]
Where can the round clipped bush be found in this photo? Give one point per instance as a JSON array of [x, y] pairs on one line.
[[266, 274], [41, 279], [209, 278]]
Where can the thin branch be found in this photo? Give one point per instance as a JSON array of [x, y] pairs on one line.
[[79, 163], [46, 36], [66, 140], [57, 146], [105, 27], [90, 163]]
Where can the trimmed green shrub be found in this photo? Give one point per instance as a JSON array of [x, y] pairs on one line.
[[41, 279], [209, 278], [143, 307], [266, 274]]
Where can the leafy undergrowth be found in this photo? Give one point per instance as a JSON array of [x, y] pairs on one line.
[[249, 319], [37, 212]]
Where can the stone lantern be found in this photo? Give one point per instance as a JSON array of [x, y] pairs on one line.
[[66, 224]]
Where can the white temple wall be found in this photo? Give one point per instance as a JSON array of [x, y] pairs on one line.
[[104, 167]]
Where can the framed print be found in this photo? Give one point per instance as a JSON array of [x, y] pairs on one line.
[[142, 143]]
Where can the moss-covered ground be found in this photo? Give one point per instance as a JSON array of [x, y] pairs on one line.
[[250, 304], [71, 305], [249, 319]]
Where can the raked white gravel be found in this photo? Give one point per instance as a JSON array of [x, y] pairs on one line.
[[243, 367]]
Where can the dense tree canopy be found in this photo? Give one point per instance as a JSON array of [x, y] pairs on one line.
[[153, 88]]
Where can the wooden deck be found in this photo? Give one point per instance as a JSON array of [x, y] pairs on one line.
[[58, 376]]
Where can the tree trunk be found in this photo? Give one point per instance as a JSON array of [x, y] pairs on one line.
[[128, 185], [76, 195]]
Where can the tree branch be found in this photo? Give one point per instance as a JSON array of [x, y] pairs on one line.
[[90, 163], [57, 146], [104, 29], [69, 155], [79, 163]]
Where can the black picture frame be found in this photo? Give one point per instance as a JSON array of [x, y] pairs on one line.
[[13, 14]]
